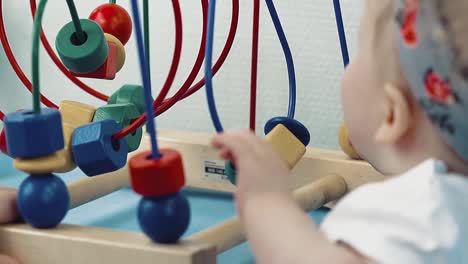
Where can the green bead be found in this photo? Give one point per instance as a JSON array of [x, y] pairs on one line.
[[82, 57], [230, 171], [129, 93], [123, 114]]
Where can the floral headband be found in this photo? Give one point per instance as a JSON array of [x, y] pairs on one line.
[[429, 64]]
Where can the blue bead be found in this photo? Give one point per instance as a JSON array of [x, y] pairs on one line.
[[31, 135], [164, 219], [230, 171], [43, 200], [95, 152], [298, 129]]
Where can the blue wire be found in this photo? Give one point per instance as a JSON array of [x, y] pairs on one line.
[[341, 32], [151, 124], [208, 65], [287, 55]]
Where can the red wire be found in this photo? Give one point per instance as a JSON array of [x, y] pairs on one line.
[[60, 65], [254, 65], [170, 77], [11, 58], [2, 115], [222, 58]]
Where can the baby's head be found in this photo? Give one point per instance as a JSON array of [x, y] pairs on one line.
[[405, 93]]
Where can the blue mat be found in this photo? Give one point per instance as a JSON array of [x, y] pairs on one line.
[[118, 210]]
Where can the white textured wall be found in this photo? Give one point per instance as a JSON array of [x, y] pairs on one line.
[[309, 25]]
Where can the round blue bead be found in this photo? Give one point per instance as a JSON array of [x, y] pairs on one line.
[[297, 128], [43, 200], [31, 135], [164, 219], [230, 171]]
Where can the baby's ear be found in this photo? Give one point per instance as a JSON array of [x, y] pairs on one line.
[[397, 116]]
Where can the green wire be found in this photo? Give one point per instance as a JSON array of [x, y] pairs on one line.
[[80, 35], [146, 32], [35, 57]]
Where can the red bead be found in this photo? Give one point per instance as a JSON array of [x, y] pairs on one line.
[[3, 144], [153, 178], [114, 20], [108, 70]]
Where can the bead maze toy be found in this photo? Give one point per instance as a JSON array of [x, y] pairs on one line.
[[107, 144]]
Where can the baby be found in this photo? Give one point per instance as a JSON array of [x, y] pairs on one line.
[[405, 100], [8, 214]]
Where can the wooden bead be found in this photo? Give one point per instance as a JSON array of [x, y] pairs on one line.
[[345, 143], [95, 152], [74, 115], [131, 94], [82, 57], [294, 126], [32, 135], [286, 144], [120, 50], [153, 178], [3, 143], [123, 114], [107, 70]]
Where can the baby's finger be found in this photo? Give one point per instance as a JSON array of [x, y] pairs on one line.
[[7, 260], [8, 212], [233, 143]]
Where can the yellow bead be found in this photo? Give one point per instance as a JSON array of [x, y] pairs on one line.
[[286, 144], [120, 50], [43, 165], [345, 143]]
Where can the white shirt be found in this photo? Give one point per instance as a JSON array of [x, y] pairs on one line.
[[418, 217]]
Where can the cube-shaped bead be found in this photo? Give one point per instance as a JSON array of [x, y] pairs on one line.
[[294, 126], [31, 135], [74, 115], [120, 50], [154, 178], [129, 93], [107, 70], [82, 57], [286, 144], [345, 143], [3, 143], [123, 114], [95, 152]]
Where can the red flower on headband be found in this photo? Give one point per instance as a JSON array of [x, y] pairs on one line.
[[438, 89], [408, 25]]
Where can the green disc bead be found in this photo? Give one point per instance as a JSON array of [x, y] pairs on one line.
[[82, 57], [129, 93], [230, 171], [123, 114]]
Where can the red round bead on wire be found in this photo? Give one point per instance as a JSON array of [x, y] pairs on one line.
[[113, 20], [154, 178], [3, 144]]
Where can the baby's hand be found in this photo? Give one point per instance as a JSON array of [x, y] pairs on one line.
[[8, 214], [260, 171]]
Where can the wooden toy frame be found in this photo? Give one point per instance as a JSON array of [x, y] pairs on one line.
[[75, 244]]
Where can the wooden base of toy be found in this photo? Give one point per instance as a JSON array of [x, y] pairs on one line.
[[61, 245]]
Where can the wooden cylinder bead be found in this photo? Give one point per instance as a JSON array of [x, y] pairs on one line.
[[82, 57], [123, 114], [345, 143], [286, 144], [120, 50], [32, 135], [154, 178], [95, 152], [129, 94], [42, 165]]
